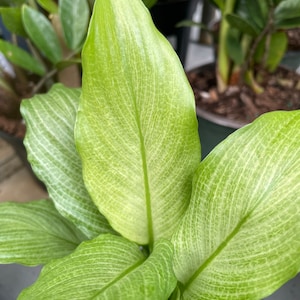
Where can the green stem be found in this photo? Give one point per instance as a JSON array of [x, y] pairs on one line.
[[223, 62]]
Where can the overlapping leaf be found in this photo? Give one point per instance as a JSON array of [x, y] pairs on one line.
[[51, 151], [74, 16], [34, 233], [136, 128], [21, 58], [41, 32], [240, 238], [108, 267]]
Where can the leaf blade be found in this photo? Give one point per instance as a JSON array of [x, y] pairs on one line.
[[74, 16], [136, 135], [34, 233], [105, 268], [21, 58], [41, 32], [51, 151], [246, 214]]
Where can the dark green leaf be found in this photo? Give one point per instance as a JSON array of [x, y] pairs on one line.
[[12, 19], [21, 58], [254, 8], [288, 9], [149, 3], [49, 5], [234, 47], [242, 24], [41, 32], [34, 233], [288, 23], [74, 16]]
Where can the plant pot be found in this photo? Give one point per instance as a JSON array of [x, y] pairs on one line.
[[240, 103], [213, 129], [291, 60]]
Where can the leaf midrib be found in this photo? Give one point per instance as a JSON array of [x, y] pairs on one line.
[[119, 277], [146, 180], [215, 253]]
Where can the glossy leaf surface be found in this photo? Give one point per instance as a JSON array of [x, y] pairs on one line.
[[136, 126], [21, 58], [240, 238], [74, 16], [51, 151], [34, 233], [41, 32], [12, 19], [108, 267]]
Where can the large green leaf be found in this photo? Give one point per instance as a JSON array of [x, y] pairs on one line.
[[34, 233], [136, 125], [108, 267], [12, 19], [74, 16], [21, 58], [51, 151], [287, 9], [240, 238], [41, 32]]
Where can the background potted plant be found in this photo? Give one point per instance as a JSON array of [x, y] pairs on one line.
[[133, 213], [251, 41]]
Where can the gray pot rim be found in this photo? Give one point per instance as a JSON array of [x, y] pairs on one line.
[[217, 119], [214, 118]]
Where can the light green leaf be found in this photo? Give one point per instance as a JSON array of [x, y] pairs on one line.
[[49, 5], [136, 127], [51, 151], [41, 32], [240, 238], [34, 233], [21, 58], [12, 19], [288, 9], [74, 16], [108, 267]]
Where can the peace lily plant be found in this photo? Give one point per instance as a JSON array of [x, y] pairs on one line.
[[133, 213]]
